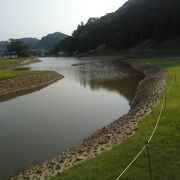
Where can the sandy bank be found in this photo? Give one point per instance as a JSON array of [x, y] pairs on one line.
[[147, 95], [21, 85]]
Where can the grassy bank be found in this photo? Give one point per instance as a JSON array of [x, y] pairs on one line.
[[164, 147], [6, 66], [6, 74], [9, 63]]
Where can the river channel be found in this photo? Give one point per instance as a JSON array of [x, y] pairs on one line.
[[38, 126]]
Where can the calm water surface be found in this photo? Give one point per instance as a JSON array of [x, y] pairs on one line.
[[38, 126]]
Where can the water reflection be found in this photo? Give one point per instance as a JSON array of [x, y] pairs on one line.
[[111, 76], [22, 69], [125, 87]]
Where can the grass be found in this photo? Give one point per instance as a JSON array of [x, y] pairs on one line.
[[12, 74], [164, 147], [6, 64]]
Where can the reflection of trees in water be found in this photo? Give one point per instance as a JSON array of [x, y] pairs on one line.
[[109, 76], [125, 87], [105, 70]]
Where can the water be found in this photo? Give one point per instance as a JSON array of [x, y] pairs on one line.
[[38, 126]]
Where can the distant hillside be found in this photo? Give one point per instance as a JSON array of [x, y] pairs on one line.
[[134, 22], [32, 43], [47, 42], [3, 45]]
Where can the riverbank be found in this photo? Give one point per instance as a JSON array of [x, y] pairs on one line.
[[14, 83], [21, 85], [164, 147], [11, 63], [147, 95]]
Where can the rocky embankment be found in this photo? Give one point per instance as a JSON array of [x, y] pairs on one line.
[[147, 95], [21, 85]]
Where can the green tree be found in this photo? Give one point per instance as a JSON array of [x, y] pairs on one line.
[[18, 48]]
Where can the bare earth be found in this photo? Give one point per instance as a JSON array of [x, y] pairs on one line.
[[21, 85], [147, 95]]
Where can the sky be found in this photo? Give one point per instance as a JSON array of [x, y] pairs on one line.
[[37, 18]]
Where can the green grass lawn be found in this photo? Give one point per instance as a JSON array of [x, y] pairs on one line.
[[5, 63], [12, 74], [164, 147], [6, 73]]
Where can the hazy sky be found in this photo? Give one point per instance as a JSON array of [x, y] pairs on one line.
[[36, 18]]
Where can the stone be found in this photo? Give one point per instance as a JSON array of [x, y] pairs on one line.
[[38, 171], [80, 158], [57, 167], [61, 161]]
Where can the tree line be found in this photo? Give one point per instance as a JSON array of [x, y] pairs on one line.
[[18, 48], [135, 21]]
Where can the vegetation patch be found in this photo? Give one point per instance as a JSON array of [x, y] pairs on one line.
[[10, 63], [7, 65], [12, 74]]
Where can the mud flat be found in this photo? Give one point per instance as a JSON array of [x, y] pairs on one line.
[[21, 85], [147, 95]]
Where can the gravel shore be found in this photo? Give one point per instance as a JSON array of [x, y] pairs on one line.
[[147, 95], [21, 85]]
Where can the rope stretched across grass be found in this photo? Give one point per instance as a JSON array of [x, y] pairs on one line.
[[152, 134]]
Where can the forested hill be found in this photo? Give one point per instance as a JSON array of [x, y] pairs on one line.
[[3, 45], [48, 41], [30, 42], [45, 43], [135, 21]]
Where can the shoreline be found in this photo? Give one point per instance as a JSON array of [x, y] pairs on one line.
[[24, 84], [147, 95], [21, 85]]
